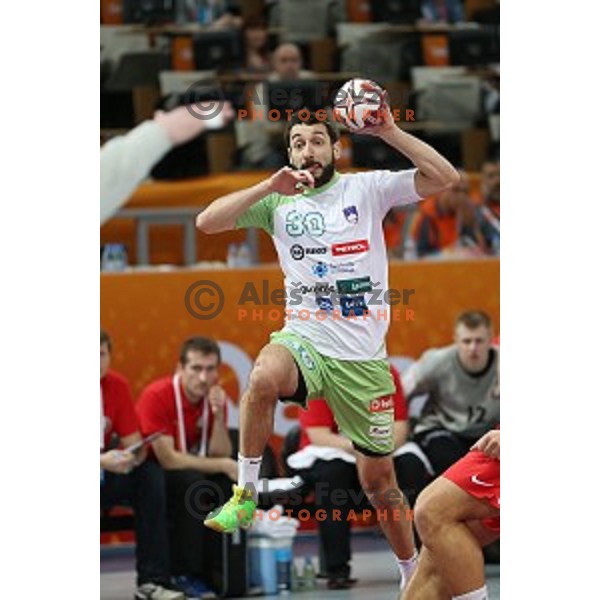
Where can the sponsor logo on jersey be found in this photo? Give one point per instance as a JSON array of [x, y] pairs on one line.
[[353, 305], [358, 285], [346, 267], [354, 247], [377, 431], [381, 404], [298, 252], [318, 288], [380, 418], [320, 269], [351, 214], [325, 303]]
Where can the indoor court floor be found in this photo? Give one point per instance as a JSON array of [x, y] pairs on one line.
[[372, 563]]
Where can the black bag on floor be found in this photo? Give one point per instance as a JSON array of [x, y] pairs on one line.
[[229, 563]]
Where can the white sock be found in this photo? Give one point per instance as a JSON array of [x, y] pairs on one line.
[[248, 469], [480, 594], [407, 568]]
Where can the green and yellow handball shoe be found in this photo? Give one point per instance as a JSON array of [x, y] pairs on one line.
[[237, 512]]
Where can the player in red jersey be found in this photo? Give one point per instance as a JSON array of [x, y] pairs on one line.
[[456, 516]]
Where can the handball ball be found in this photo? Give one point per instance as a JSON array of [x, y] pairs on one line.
[[359, 103]]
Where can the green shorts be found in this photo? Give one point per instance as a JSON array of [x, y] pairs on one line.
[[359, 392]]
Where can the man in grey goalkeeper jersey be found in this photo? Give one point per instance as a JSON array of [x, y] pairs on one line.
[[463, 401]]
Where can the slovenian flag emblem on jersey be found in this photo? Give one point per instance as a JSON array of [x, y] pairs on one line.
[[351, 214]]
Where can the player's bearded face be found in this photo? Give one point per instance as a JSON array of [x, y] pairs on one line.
[[321, 172], [311, 149]]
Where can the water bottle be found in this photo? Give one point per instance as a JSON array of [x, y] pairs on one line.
[[283, 556], [309, 579], [243, 256], [410, 249], [295, 579], [263, 565], [232, 256], [114, 257]]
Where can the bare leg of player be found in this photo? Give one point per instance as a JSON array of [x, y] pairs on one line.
[[274, 375], [426, 583], [447, 519], [378, 480]]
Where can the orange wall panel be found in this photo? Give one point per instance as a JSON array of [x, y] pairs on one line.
[[146, 315]]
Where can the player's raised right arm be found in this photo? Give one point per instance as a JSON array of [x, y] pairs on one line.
[[222, 213]]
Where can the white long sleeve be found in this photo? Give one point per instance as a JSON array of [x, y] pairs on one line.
[[126, 161]]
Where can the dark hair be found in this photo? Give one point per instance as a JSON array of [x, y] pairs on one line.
[[199, 344], [472, 319], [105, 339], [256, 22], [311, 117]]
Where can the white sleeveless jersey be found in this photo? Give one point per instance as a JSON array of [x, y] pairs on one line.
[[332, 251]]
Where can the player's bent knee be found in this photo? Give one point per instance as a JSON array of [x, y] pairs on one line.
[[377, 475], [261, 386], [275, 367], [429, 516]]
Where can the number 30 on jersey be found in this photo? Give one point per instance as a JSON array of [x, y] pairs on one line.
[[297, 224]]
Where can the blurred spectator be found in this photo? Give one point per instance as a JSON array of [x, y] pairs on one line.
[[213, 13], [461, 384], [447, 222], [190, 408], [287, 64], [257, 59], [130, 480], [394, 226], [259, 139], [488, 205], [125, 161], [319, 428], [442, 11]]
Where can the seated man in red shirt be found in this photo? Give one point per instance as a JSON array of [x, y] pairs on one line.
[[190, 409], [129, 479], [456, 516], [336, 481]]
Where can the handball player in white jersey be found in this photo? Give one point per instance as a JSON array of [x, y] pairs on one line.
[[327, 230]]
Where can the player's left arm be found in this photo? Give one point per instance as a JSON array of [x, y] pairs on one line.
[[434, 172], [219, 444]]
